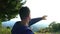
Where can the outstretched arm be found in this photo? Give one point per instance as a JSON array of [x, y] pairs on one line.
[[33, 21]]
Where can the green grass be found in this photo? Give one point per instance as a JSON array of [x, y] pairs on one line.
[[48, 33], [5, 31]]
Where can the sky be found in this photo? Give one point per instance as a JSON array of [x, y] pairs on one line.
[[38, 8]]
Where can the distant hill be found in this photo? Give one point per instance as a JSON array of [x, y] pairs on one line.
[[38, 26], [8, 23]]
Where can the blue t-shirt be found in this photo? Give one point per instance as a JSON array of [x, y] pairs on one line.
[[21, 29]]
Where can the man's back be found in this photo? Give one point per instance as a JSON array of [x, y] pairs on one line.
[[21, 29]]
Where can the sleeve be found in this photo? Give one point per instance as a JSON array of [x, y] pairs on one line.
[[28, 32], [33, 21]]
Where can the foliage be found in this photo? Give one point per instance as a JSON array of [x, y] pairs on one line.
[[5, 31], [56, 27], [9, 9], [53, 27]]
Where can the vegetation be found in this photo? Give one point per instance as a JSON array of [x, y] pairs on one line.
[[53, 28], [5, 31], [9, 9]]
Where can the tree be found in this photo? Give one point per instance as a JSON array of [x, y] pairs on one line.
[[9, 9], [54, 27], [52, 23]]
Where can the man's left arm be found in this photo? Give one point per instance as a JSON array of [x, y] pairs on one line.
[[33, 21]]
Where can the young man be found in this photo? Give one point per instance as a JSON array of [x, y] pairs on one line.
[[22, 27]]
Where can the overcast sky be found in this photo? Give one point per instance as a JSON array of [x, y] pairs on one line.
[[38, 8]]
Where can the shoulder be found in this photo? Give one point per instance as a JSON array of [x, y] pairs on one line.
[[16, 24], [18, 21]]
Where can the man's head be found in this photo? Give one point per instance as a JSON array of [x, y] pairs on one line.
[[24, 13]]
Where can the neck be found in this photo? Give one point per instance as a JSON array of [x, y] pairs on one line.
[[25, 23]]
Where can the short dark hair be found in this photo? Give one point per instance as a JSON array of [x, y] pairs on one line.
[[24, 12]]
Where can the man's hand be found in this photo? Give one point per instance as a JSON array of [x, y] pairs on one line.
[[44, 17]]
